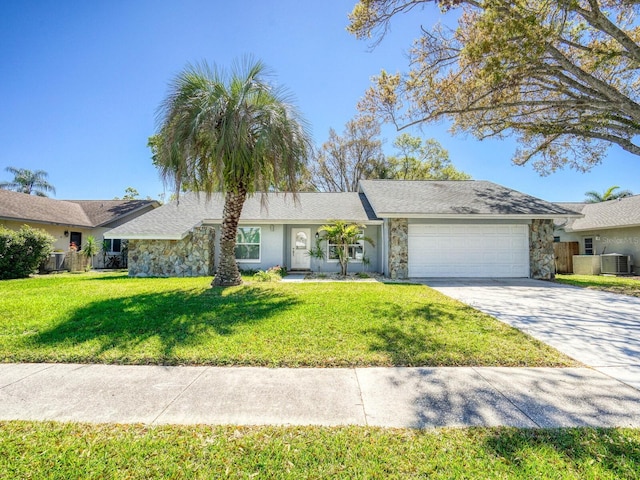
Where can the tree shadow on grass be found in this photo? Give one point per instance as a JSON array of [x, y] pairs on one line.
[[610, 451], [421, 335], [148, 328], [451, 334]]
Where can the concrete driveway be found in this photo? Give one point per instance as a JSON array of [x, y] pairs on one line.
[[599, 329]]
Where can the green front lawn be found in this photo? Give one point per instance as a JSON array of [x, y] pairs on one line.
[[624, 285], [110, 318], [62, 451]]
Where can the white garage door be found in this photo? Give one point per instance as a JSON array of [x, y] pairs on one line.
[[468, 251]]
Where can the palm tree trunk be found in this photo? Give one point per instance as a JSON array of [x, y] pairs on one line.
[[227, 273], [344, 260]]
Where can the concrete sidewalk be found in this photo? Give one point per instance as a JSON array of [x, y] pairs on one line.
[[389, 397]]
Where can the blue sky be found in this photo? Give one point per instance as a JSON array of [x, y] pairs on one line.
[[81, 82]]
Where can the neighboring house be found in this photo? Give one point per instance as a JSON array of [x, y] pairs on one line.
[[71, 221], [419, 228], [605, 227]]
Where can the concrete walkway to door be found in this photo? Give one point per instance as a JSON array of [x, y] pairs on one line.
[[599, 329]]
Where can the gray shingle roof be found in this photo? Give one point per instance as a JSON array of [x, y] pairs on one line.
[[624, 212], [447, 199], [80, 213], [175, 219], [103, 212]]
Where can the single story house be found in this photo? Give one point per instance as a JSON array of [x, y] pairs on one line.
[[419, 229], [604, 228], [71, 221]]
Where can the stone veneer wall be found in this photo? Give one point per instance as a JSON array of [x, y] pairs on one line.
[[398, 248], [193, 256], [541, 256]]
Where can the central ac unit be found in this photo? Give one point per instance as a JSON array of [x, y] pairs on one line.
[[615, 263]]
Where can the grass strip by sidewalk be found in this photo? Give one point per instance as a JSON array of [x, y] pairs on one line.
[[110, 318], [623, 285], [62, 450]]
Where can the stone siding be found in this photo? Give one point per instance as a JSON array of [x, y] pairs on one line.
[[541, 256], [193, 256], [398, 248]]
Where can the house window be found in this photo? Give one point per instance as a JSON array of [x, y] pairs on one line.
[[556, 239], [113, 245], [356, 250], [248, 244], [588, 246]]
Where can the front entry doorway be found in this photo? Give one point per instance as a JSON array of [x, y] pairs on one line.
[[300, 238]]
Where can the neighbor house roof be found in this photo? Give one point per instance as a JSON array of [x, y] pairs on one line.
[[174, 220], [21, 207], [620, 213], [455, 199]]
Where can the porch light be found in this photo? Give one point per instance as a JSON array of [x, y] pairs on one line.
[[317, 235]]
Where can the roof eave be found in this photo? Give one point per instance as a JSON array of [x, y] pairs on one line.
[[44, 222], [601, 227], [476, 216], [145, 236], [313, 221]]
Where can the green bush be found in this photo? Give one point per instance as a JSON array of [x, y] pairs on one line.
[[274, 274], [22, 251]]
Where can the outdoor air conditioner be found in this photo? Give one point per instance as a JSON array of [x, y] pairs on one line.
[[614, 263]]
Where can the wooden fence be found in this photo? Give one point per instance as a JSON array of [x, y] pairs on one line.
[[564, 252]]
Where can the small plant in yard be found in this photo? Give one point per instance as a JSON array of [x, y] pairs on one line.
[[273, 274], [317, 252], [90, 249], [363, 275], [278, 270]]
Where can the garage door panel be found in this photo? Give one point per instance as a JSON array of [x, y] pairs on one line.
[[468, 250]]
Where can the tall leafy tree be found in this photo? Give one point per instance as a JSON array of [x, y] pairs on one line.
[[343, 160], [29, 182], [561, 75], [418, 160], [232, 132], [609, 194]]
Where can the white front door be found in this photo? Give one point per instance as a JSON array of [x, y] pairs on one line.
[[300, 245]]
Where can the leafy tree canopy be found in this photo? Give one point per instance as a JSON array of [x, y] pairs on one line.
[[130, 193], [561, 75], [344, 160], [418, 160]]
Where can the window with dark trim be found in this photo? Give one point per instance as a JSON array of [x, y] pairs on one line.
[[115, 245], [588, 246]]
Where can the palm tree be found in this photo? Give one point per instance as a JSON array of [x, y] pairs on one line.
[[230, 132], [344, 235], [29, 182], [596, 197]]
